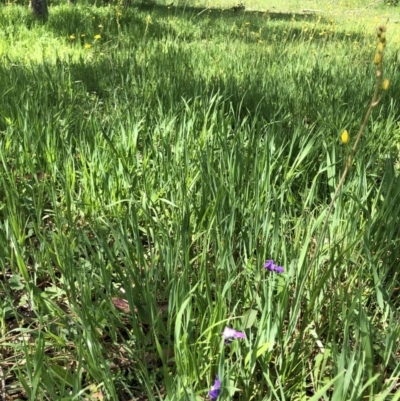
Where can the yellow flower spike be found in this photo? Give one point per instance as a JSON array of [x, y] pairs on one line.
[[345, 137], [377, 58], [385, 84]]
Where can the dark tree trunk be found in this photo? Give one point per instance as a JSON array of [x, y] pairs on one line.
[[39, 9]]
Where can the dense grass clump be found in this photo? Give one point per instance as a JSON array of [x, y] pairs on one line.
[[152, 159]]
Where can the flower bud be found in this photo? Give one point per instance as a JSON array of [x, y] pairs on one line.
[[379, 48], [385, 84], [377, 58], [345, 137]]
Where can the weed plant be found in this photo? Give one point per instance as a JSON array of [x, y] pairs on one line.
[[151, 162]]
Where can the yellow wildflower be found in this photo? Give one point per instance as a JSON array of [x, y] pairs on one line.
[[72, 37], [97, 37], [345, 137], [385, 84], [100, 26], [88, 46]]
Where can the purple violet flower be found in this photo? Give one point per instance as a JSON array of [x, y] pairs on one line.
[[215, 389], [269, 265], [272, 267], [230, 334]]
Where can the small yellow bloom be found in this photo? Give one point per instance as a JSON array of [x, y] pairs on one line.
[[100, 26], [379, 48], [88, 46], [97, 37], [377, 58], [385, 84], [72, 37], [345, 137]]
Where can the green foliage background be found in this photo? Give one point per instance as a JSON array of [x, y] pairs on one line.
[[157, 167]]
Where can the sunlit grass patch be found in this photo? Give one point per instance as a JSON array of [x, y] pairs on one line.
[[154, 162]]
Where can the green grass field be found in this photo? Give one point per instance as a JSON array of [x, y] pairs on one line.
[[152, 159]]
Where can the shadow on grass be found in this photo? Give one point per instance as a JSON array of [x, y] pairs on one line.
[[193, 23], [182, 23], [230, 12]]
